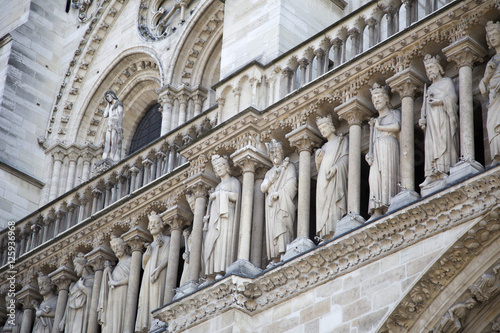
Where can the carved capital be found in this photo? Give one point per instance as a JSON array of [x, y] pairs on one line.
[[406, 83], [136, 237], [465, 52], [371, 22], [98, 256], [354, 111], [319, 52], [58, 156], [305, 137], [303, 63], [288, 72], [62, 277], [28, 295], [249, 158], [178, 217]]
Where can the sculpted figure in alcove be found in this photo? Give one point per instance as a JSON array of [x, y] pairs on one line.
[[383, 154], [332, 161], [114, 286], [154, 263], [221, 221], [114, 131], [439, 120], [280, 187], [453, 320], [13, 323], [79, 298], [490, 87], [46, 310]]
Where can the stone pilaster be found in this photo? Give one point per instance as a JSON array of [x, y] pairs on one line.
[[135, 238], [96, 258], [406, 83], [62, 278], [355, 112], [167, 102], [465, 52], [178, 218]]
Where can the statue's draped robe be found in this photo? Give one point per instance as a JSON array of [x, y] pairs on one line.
[[111, 309], [220, 246], [441, 136], [493, 118], [78, 306], [45, 321], [280, 214], [384, 172], [152, 293], [331, 197]]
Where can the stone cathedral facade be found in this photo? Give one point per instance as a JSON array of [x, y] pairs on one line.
[[250, 166]]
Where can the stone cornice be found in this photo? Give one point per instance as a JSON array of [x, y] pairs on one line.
[[474, 200]]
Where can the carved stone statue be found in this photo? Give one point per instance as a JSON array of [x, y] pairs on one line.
[[487, 286], [439, 119], [332, 162], [280, 187], [188, 238], [154, 263], [452, 321], [46, 311], [114, 286], [114, 132], [383, 155], [221, 221], [79, 299], [15, 319], [489, 87]]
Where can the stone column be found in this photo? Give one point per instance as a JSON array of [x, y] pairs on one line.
[[26, 296], [220, 111], [406, 83], [198, 185], [96, 258], [70, 183], [108, 195], [62, 278], [198, 103], [337, 51], [87, 158], [248, 158], [287, 82], [147, 167], [258, 218], [321, 58], [254, 82], [167, 103], [96, 199], [70, 215], [465, 52], [56, 174], [161, 163], [411, 11], [354, 112], [183, 101], [178, 218], [355, 44], [372, 32], [303, 63], [136, 237], [134, 172], [59, 216]]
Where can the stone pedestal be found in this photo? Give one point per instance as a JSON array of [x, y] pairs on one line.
[[242, 267], [433, 187], [348, 223], [185, 289], [298, 246], [403, 198], [462, 170]]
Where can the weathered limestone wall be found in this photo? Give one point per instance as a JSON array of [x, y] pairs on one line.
[[29, 84], [358, 301], [262, 29]]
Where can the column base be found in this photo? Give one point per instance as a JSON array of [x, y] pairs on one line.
[[347, 223], [432, 187], [185, 289], [298, 246], [243, 267], [463, 170], [157, 326], [403, 198]]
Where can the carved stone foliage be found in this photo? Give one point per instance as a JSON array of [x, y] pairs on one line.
[[475, 202], [159, 19]]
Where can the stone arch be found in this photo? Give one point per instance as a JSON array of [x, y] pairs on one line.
[[446, 282], [134, 77], [197, 48]]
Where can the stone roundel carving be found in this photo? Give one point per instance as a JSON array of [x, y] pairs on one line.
[[158, 19]]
